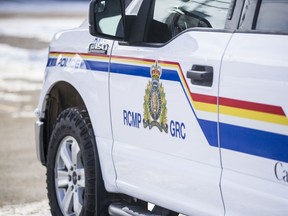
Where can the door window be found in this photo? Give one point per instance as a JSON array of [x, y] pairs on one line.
[[109, 16], [174, 16], [273, 16]]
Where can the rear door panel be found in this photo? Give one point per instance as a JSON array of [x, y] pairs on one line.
[[253, 124]]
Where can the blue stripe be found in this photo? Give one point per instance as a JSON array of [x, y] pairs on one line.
[[171, 75], [90, 65], [51, 62], [97, 65], [141, 71], [209, 129], [131, 70], [254, 142]]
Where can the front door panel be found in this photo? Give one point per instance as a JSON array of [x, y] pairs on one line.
[[164, 127]]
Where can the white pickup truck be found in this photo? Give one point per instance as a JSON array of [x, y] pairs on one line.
[[168, 107]]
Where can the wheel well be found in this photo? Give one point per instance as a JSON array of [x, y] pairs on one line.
[[62, 96]]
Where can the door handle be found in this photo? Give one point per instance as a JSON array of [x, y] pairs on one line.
[[201, 75]]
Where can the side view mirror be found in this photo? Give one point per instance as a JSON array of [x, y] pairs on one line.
[[106, 19]]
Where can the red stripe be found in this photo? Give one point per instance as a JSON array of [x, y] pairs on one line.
[[133, 58], [239, 104], [204, 98], [74, 53], [252, 106]]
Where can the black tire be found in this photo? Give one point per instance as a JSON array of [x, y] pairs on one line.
[[75, 186]]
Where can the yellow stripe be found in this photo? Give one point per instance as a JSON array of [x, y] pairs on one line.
[[259, 116], [133, 61], [54, 55], [106, 58], [171, 66], [205, 107], [84, 56]]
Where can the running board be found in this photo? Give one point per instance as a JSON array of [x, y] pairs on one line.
[[124, 209]]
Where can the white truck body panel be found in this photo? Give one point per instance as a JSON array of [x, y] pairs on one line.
[[198, 150]]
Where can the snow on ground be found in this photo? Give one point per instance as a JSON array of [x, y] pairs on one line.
[[32, 209], [40, 19], [21, 72], [21, 64], [41, 28], [25, 64], [22, 22]]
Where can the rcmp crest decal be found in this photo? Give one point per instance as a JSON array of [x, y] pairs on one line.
[[155, 110]]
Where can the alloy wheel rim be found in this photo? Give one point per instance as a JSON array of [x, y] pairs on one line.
[[69, 177]]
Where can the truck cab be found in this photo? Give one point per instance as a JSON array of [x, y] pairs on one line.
[[180, 105]]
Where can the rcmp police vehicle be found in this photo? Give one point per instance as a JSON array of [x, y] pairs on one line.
[[178, 103]]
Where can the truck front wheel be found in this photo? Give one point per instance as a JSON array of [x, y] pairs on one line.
[[74, 180]]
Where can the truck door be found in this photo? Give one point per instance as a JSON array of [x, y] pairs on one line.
[[164, 93], [253, 112]]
